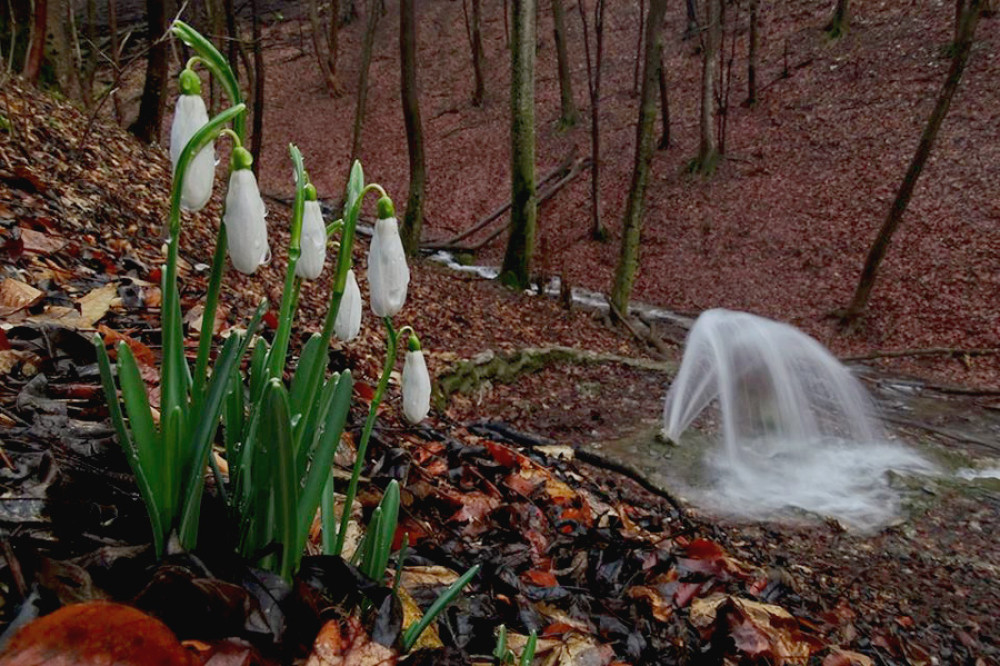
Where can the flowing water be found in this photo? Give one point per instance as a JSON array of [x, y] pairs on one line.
[[796, 429]]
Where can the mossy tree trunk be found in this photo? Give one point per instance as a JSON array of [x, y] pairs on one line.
[[708, 147], [413, 219], [597, 230], [147, 125], [962, 48], [524, 202], [566, 104], [628, 260]]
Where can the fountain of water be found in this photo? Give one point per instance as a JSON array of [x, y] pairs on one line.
[[797, 429]]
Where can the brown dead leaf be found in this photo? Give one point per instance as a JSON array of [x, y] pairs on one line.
[[11, 358], [663, 608], [838, 657], [16, 295], [95, 304], [411, 614], [37, 242], [346, 643]]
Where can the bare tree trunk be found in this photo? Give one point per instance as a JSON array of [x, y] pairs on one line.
[[90, 63], [36, 48], [708, 149], [597, 230], [753, 56], [147, 125], [638, 48], [692, 19], [841, 20], [566, 104], [477, 54], [628, 260], [664, 142], [321, 45], [233, 35], [333, 46], [413, 219], [366, 59], [257, 133], [524, 205], [963, 46], [116, 58], [959, 12]]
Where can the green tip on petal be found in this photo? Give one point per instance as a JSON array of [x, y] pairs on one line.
[[190, 84], [311, 192], [241, 159], [385, 208], [413, 344]]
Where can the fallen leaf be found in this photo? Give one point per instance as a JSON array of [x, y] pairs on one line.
[[838, 657], [37, 242], [411, 614], [96, 303], [16, 295], [345, 643]]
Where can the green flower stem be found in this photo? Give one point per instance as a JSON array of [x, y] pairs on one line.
[[172, 381], [344, 259], [352, 487], [217, 64], [289, 294]]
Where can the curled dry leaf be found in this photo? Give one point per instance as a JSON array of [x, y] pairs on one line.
[[346, 643]]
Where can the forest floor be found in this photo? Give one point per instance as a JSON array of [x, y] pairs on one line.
[[781, 230]]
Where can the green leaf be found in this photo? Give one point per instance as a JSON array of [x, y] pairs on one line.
[[201, 438], [276, 434], [355, 183], [413, 632], [381, 547], [303, 389], [147, 441], [233, 419], [528, 655], [328, 517], [258, 371], [319, 470], [309, 428], [150, 495]]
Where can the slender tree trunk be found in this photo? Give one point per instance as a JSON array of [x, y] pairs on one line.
[[841, 20], [116, 58], [36, 49], [692, 19], [147, 125], [566, 104], [366, 59], [333, 46], [257, 134], [664, 142], [597, 230], [754, 49], [233, 35], [477, 54], [524, 205], [959, 12], [412, 221], [90, 64], [638, 48], [963, 45], [628, 260], [708, 149], [325, 57]]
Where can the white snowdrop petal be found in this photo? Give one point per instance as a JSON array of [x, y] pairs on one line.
[[190, 115], [416, 386], [313, 242], [245, 224], [388, 274], [348, 323]]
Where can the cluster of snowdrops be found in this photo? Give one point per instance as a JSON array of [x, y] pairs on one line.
[[279, 438]]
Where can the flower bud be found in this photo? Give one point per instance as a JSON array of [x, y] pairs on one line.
[[416, 384], [348, 323], [388, 274], [313, 243], [244, 219], [190, 115]]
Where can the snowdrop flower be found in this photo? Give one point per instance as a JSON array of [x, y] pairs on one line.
[[313, 239], [348, 323], [244, 217], [388, 274], [190, 116], [416, 383]]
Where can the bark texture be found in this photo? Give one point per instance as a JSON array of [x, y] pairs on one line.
[[962, 48], [147, 125], [708, 148], [566, 104], [516, 271], [628, 260], [413, 219]]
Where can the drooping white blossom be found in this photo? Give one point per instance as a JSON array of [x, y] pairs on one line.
[[190, 115], [245, 224], [313, 243], [416, 387], [348, 323], [388, 274]]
